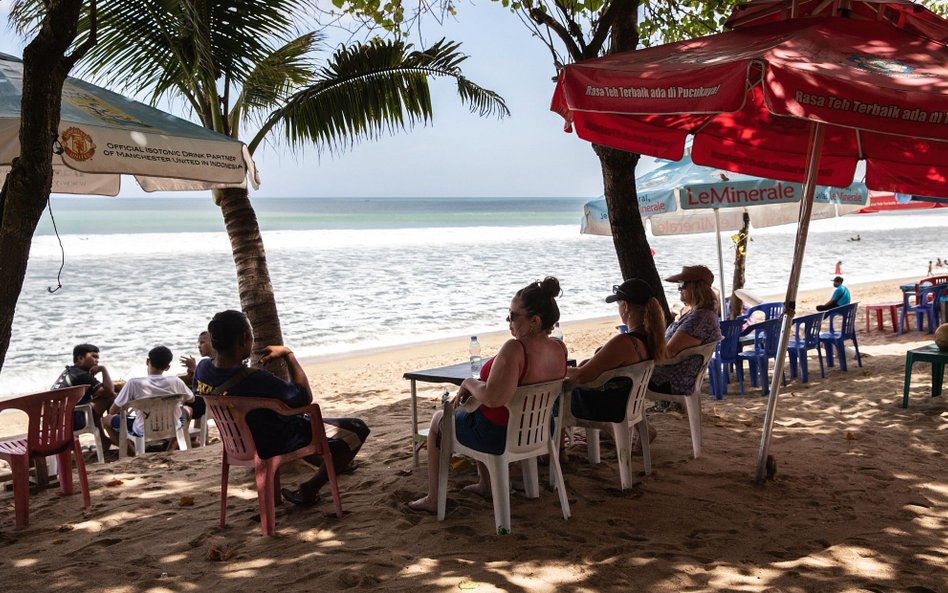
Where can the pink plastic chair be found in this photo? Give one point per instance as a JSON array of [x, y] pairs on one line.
[[49, 433], [230, 415]]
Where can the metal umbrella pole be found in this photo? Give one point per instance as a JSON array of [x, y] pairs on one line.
[[790, 301], [717, 232]]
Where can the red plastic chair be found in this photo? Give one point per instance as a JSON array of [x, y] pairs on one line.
[[230, 415], [49, 433]]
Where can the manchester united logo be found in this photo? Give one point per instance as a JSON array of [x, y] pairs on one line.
[[77, 144]]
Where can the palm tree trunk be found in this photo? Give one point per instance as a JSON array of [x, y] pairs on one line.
[[740, 261], [27, 186], [628, 230], [253, 277]]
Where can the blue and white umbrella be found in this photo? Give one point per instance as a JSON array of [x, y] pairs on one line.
[[103, 135], [680, 197]]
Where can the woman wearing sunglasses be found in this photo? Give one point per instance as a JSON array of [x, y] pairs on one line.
[[530, 357], [642, 314], [699, 325]]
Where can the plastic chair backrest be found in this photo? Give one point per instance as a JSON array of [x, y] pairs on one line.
[[929, 294], [160, 415], [767, 336], [770, 310], [230, 416], [847, 319], [811, 325], [730, 343], [531, 408], [50, 417], [638, 375]]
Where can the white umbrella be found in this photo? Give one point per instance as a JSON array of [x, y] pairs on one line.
[[103, 135], [680, 198]]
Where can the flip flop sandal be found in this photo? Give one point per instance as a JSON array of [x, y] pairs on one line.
[[296, 498], [349, 469]]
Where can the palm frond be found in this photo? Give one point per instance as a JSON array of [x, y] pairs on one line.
[[278, 75], [374, 88]]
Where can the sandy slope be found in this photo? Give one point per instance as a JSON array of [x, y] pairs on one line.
[[860, 501]]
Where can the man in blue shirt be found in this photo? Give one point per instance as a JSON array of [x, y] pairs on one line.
[[840, 296]]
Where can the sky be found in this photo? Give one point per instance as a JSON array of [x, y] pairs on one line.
[[458, 154]]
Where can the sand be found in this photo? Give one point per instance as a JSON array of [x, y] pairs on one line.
[[858, 502]]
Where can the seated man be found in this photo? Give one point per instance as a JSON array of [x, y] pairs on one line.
[[206, 350], [85, 366], [153, 385], [840, 296], [273, 433]]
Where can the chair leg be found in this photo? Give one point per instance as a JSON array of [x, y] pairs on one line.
[[20, 468], [444, 464], [642, 427], [794, 357], [333, 479], [693, 407], [499, 471], [225, 470], [828, 344], [263, 472], [740, 375], [841, 352], [64, 459], [858, 356], [804, 367], [83, 477], [560, 483], [622, 433], [531, 477], [184, 439], [592, 445], [819, 354]]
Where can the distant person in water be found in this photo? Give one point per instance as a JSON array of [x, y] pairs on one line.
[[938, 263], [839, 268], [856, 238], [840, 296], [929, 267]]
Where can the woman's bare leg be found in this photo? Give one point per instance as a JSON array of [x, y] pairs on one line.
[[482, 485], [429, 502]]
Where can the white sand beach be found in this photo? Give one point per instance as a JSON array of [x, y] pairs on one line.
[[859, 501]]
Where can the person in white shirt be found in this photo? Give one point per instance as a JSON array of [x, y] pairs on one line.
[[154, 385]]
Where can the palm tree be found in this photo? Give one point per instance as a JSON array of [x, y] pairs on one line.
[[236, 67]]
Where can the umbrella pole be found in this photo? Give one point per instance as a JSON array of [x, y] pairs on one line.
[[790, 302], [717, 230]]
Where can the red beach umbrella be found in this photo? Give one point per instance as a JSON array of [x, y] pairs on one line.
[[800, 100]]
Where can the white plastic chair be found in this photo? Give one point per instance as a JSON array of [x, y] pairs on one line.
[[162, 421], [92, 429], [200, 430], [691, 401], [528, 437], [639, 375]]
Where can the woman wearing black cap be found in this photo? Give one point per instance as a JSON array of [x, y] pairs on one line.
[[642, 313], [700, 325]]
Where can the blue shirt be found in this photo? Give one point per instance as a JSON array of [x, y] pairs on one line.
[[841, 296]]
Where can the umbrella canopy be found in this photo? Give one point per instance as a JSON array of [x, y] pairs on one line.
[[747, 96], [679, 198], [103, 134], [798, 100]]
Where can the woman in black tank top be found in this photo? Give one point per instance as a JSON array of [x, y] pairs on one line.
[[642, 314]]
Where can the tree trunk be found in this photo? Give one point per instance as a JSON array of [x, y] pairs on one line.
[[253, 277], [740, 259], [27, 186], [628, 230]]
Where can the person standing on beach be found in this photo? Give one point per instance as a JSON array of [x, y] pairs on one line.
[[155, 384], [85, 366], [840, 296], [275, 434], [839, 267]]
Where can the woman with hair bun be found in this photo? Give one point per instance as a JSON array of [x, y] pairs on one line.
[[642, 314], [530, 357]]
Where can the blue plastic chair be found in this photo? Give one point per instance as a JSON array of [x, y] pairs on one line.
[[797, 347], [725, 355], [845, 318], [926, 305], [770, 311], [766, 342]]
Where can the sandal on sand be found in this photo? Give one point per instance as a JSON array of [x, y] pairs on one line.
[[349, 469], [296, 498]]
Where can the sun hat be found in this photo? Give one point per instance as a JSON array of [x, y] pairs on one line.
[[693, 274], [634, 291]]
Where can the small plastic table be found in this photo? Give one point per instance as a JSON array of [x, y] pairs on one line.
[[879, 309], [932, 355]]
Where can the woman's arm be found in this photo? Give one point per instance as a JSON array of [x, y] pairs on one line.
[[617, 352], [502, 381], [681, 341]]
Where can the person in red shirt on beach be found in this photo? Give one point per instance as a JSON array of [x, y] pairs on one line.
[[530, 357]]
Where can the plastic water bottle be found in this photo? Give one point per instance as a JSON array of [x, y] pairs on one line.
[[557, 333], [475, 351]]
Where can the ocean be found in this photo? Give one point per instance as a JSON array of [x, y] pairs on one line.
[[352, 274]]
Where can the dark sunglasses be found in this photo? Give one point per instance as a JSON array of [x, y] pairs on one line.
[[512, 315]]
